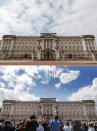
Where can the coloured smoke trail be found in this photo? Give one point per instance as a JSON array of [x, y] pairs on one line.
[[49, 73]]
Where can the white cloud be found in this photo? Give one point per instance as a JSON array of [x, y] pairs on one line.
[[69, 76], [65, 17], [58, 85], [17, 86], [45, 82], [18, 82], [2, 85], [85, 93], [7, 94]]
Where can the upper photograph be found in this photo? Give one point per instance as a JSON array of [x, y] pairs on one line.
[[48, 48], [38, 32]]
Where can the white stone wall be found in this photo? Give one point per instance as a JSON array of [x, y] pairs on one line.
[[71, 44], [73, 110], [63, 46]]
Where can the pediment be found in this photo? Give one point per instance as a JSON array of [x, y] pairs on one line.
[[88, 36], [48, 35], [48, 100]]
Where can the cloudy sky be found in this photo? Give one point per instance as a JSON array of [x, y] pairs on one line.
[[32, 17], [66, 83]]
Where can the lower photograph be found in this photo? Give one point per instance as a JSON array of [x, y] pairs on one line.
[[48, 98]]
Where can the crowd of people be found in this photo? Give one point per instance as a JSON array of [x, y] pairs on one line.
[[56, 124]]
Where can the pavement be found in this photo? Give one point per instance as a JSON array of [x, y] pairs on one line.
[[29, 62]]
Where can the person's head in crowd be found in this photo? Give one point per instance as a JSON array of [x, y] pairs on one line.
[[56, 117], [7, 122], [1, 124], [32, 117], [91, 124], [47, 120], [83, 125], [27, 120], [40, 122], [67, 123]]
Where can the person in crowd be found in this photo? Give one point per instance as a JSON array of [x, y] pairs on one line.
[[40, 128], [84, 127], [1, 126], [62, 125], [17, 127], [46, 125], [76, 126], [21, 127], [71, 125], [8, 126], [95, 126], [91, 127], [32, 124], [66, 127], [55, 124]]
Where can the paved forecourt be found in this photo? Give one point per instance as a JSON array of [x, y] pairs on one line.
[[27, 62]]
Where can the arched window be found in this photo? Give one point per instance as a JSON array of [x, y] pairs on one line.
[[48, 54]]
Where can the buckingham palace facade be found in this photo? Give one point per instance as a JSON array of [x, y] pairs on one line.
[[48, 108], [48, 46]]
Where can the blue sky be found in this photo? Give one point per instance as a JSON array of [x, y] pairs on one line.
[[32, 17], [66, 83]]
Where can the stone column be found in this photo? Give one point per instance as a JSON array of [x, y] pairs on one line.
[[95, 46], [32, 56], [49, 110], [57, 54], [12, 111], [3, 55], [54, 109], [46, 43], [2, 110], [49, 43], [38, 54], [12, 43], [46, 109], [93, 57], [1, 44], [11, 46], [41, 108], [54, 44], [84, 47], [42, 44], [85, 112]]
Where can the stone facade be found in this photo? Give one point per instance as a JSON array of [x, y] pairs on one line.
[[48, 46], [48, 107]]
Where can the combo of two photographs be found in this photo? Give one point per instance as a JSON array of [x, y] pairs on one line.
[[48, 65]]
